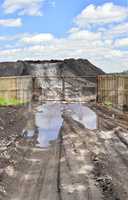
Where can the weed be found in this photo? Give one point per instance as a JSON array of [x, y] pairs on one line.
[[10, 102]]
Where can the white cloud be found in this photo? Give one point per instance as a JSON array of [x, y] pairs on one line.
[[106, 13], [99, 52], [37, 38], [84, 35], [123, 42], [119, 29], [23, 7], [11, 22], [101, 46], [46, 46], [2, 38], [107, 58], [102, 56]]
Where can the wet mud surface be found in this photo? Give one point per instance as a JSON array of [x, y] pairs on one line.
[[63, 152]]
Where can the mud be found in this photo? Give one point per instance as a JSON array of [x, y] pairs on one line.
[[12, 122], [64, 152]]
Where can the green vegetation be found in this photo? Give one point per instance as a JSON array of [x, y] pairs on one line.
[[10, 102]]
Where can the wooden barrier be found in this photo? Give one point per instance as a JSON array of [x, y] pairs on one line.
[[16, 87], [24, 88], [113, 89]]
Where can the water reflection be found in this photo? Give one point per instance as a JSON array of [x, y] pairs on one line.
[[83, 114], [47, 121]]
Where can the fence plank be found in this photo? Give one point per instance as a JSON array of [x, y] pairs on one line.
[[113, 89]]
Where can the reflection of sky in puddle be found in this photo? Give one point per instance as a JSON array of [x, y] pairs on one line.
[[49, 121], [30, 133], [84, 115]]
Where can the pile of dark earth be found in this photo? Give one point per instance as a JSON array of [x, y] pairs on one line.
[[67, 67]]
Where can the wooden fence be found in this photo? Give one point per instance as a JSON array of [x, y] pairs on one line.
[[16, 87], [24, 88], [113, 90]]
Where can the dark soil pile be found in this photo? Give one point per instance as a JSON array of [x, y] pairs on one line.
[[11, 69], [78, 67]]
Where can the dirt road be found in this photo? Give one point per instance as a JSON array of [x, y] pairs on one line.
[[88, 160]]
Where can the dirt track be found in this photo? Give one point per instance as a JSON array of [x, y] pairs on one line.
[[82, 164]]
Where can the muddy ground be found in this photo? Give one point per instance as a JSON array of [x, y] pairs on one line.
[[12, 122], [84, 162]]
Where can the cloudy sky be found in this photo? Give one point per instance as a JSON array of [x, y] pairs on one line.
[[56, 29]]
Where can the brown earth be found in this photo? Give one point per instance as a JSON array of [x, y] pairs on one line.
[[82, 164]]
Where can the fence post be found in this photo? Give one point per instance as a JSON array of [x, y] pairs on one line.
[[97, 89], [33, 87], [63, 89]]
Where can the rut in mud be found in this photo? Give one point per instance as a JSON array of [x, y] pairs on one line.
[[66, 152]]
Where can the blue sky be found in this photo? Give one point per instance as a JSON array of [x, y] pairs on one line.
[[58, 29]]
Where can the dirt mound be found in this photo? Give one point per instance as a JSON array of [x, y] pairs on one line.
[[79, 67], [11, 69]]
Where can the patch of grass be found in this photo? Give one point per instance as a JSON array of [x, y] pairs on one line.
[[10, 102]]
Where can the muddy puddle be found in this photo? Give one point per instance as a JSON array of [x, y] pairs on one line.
[[45, 123]]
